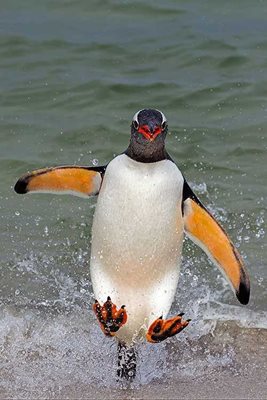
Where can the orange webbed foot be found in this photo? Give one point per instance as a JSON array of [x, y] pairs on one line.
[[109, 317], [162, 329]]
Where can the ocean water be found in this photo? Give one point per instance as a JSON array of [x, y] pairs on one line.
[[73, 73]]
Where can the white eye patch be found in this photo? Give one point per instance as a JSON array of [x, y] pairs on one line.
[[135, 117], [164, 119]]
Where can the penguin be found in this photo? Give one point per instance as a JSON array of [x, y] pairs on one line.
[[144, 208]]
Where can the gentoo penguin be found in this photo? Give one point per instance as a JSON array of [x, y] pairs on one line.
[[144, 207]]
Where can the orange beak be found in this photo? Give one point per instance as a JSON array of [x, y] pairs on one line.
[[148, 132]]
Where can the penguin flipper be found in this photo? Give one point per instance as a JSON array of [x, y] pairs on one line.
[[202, 228], [79, 181]]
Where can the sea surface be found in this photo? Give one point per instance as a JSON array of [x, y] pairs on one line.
[[72, 74]]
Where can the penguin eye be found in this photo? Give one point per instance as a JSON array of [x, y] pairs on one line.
[[135, 124], [163, 125]]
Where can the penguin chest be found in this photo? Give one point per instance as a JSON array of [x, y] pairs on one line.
[[138, 219]]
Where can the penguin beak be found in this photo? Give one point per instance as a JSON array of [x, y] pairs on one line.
[[150, 132]]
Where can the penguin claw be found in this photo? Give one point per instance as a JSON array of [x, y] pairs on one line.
[[109, 317], [162, 329]]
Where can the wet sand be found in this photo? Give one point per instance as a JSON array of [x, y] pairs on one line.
[[245, 377]]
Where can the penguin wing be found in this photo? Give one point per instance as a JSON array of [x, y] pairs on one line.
[[79, 181], [203, 229]]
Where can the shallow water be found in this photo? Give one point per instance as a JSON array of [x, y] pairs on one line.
[[72, 76]]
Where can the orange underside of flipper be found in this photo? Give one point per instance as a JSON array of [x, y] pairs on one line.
[[206, 232], [79, 180]]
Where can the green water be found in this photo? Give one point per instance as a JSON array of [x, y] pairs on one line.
[[73, 73]]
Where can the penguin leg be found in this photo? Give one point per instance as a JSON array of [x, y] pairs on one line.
[[127, 362], [162, 329], [109, 317]]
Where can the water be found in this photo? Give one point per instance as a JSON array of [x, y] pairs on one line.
[[72, 76]]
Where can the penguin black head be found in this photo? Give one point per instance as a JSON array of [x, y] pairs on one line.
[[148, 132], [149, 124]]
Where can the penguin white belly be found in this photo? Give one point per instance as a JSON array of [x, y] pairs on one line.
[[137, 240]]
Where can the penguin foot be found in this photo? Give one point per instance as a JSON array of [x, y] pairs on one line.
[[109, 317], [162, 329]]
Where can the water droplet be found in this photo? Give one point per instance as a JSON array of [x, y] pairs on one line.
[[17, 213], [95, 162]]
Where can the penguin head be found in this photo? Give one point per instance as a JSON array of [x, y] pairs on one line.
[[148, 132], [149, 127]]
